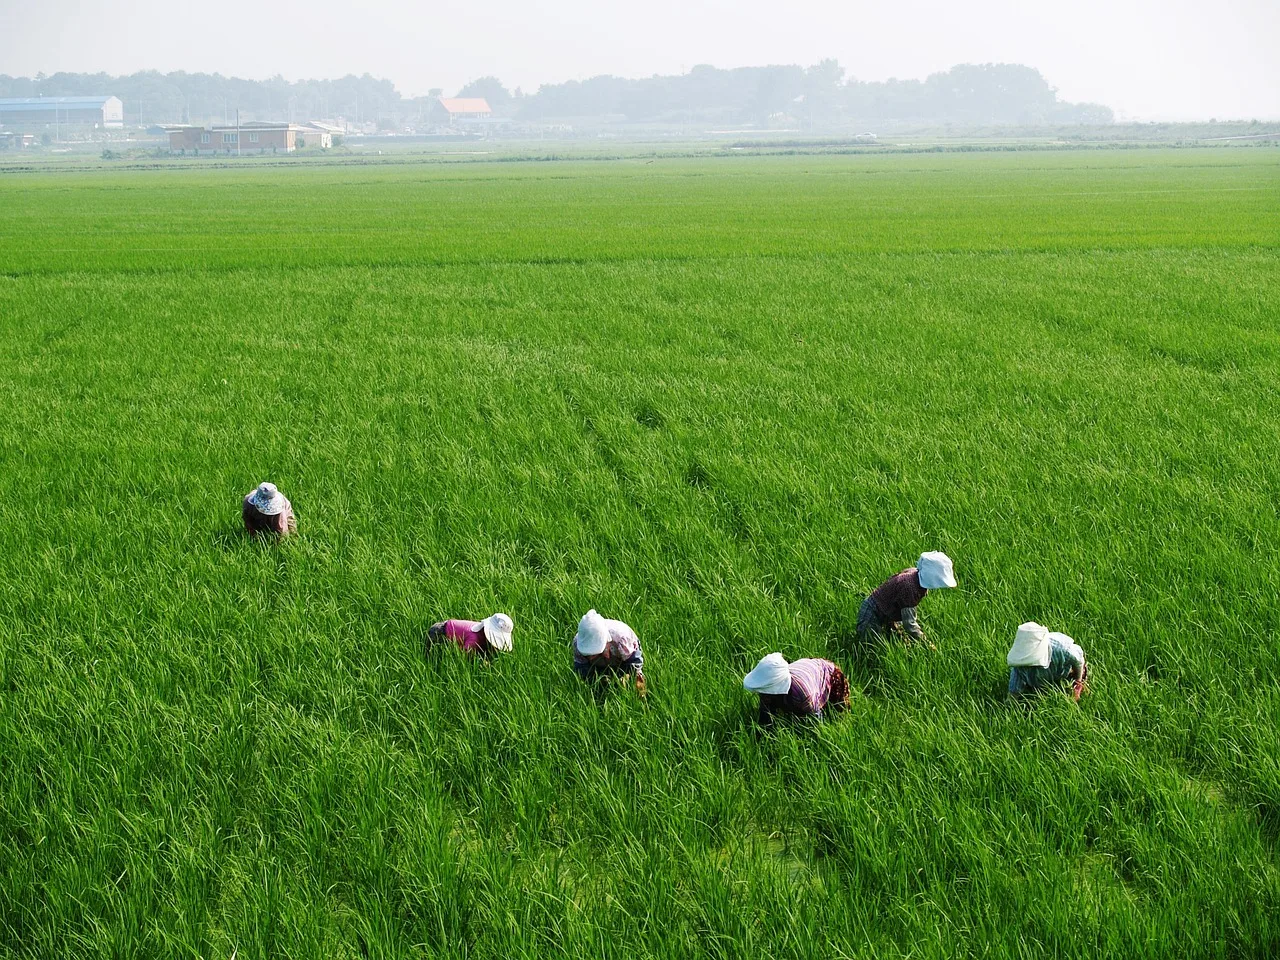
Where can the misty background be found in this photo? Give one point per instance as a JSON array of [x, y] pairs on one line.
[[1165, 60], [788, 97]]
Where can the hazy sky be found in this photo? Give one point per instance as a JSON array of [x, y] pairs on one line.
[[1150, 59]]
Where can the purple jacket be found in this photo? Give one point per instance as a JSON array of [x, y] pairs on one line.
[[900, 592]]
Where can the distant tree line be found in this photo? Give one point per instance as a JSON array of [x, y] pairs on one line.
[[972, 94], [814, 97], [153, 97]]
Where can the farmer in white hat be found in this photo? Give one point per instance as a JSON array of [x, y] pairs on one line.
[[267, 510], [1040, 660], [894, 602], [800, 689], [607, 648], [482, 638]]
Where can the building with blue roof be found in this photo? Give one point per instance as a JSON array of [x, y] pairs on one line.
[[25, 113]]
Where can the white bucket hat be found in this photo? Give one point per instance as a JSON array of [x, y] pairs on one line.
[[771, 675], [497, 630], [593, 634], [267, 500], [935, 570], [1030, 647]]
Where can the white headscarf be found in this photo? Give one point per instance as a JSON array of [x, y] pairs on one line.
[[771, 675], [1031, 646], [593, 634], [935, 571]]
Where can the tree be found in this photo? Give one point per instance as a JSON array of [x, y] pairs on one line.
[[989, 93], [775, 93], [822, 92]]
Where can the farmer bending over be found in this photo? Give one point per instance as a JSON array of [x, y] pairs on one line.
[[267, 510], [607, 648], [894, 602], [482, 638], [800, 689], [1040, 660]]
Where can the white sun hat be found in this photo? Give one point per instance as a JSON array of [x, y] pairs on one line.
[[771, 675], [1030, 646], [593, 634], [267, 500], [497, 630], [934, 568]]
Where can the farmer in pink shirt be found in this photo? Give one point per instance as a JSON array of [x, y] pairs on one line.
[[482, 638], [801, 689]]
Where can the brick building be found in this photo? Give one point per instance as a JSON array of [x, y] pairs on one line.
[[255, 136]]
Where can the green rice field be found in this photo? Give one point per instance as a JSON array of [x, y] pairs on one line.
[[718, 398]]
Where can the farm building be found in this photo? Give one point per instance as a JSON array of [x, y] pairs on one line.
[[11, 140], [255, 136], [333, 129], [25, 113], [452, 109]]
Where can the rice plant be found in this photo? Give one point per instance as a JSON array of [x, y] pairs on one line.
[[720, 399]]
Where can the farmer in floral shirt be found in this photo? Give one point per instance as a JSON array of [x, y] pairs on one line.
[[607, 648]]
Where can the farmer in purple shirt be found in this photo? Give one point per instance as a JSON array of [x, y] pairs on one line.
[[268, 511], [607, 648], [894, 602], [482, 638], [800, 689]]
